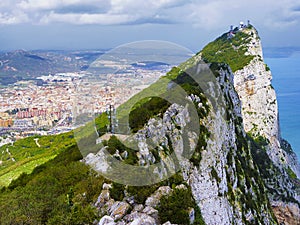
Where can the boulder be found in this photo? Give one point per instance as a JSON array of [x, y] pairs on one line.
[[106, 186], [118, 210], [106, 220], [138, 208], [151, 212], [103, 198], [143, 221], [137, 218], [154, 199], [191, 212]]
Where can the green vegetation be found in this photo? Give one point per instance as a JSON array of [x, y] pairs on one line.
[[58, 192], [143, 112], [141, 193], [174, 208], [26, 154], [229, 50], [117, 191], [101, 123], [249, 194], [261, 141], [115, 144], [291, 173], [214, 174], [271, 174]]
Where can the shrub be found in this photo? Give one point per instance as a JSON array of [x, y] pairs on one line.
[[174, 208]]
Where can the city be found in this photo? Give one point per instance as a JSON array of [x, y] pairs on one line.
[[31, 108]]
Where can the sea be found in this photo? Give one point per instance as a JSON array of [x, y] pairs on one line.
[[286, 81]]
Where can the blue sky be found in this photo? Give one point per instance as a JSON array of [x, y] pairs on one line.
[[90, 24]]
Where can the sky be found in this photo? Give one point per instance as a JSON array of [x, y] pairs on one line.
[[103, 24]]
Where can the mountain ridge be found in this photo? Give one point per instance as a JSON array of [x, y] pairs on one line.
[[233, 175]]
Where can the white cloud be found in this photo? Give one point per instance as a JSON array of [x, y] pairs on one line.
[[218, 13], [201, 13], [110, 11], [14, 18], [101, 19]]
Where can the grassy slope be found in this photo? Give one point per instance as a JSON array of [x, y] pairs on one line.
[[57, 192], [229, 50], [24, 155]]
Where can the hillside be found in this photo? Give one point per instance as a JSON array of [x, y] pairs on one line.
[[204, 148], [28, 65]]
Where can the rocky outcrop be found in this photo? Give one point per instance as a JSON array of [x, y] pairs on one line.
[[154, 199], [118, 210], [240, 163], [286, 213], [130, 212]]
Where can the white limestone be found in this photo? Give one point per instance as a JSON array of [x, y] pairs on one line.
[[259, 104]]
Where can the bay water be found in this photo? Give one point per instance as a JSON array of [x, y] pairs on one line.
[[286, 81]]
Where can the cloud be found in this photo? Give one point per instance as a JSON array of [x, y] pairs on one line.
[[284, 17], [270, 14], [15, 18], [82, 9], [80, 19], [201, 13], [103, 12]]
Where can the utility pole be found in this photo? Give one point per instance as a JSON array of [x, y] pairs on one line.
[[113, 122], [110, 119]]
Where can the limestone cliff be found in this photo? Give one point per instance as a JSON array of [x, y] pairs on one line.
[[252, 83], [259, 104], [240, 170]]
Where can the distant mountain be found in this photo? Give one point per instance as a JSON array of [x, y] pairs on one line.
[[26, 65], [151, 65]]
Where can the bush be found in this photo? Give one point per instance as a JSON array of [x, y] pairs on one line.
[[174, 208], [141, 193], [60, 191], [117, 191], [142, 113]]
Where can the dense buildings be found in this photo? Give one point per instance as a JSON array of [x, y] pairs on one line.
[[30, 108]]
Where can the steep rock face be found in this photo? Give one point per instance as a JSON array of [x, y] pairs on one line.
[[225, 193], [259, 103], [252, 81], [260, 109]]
